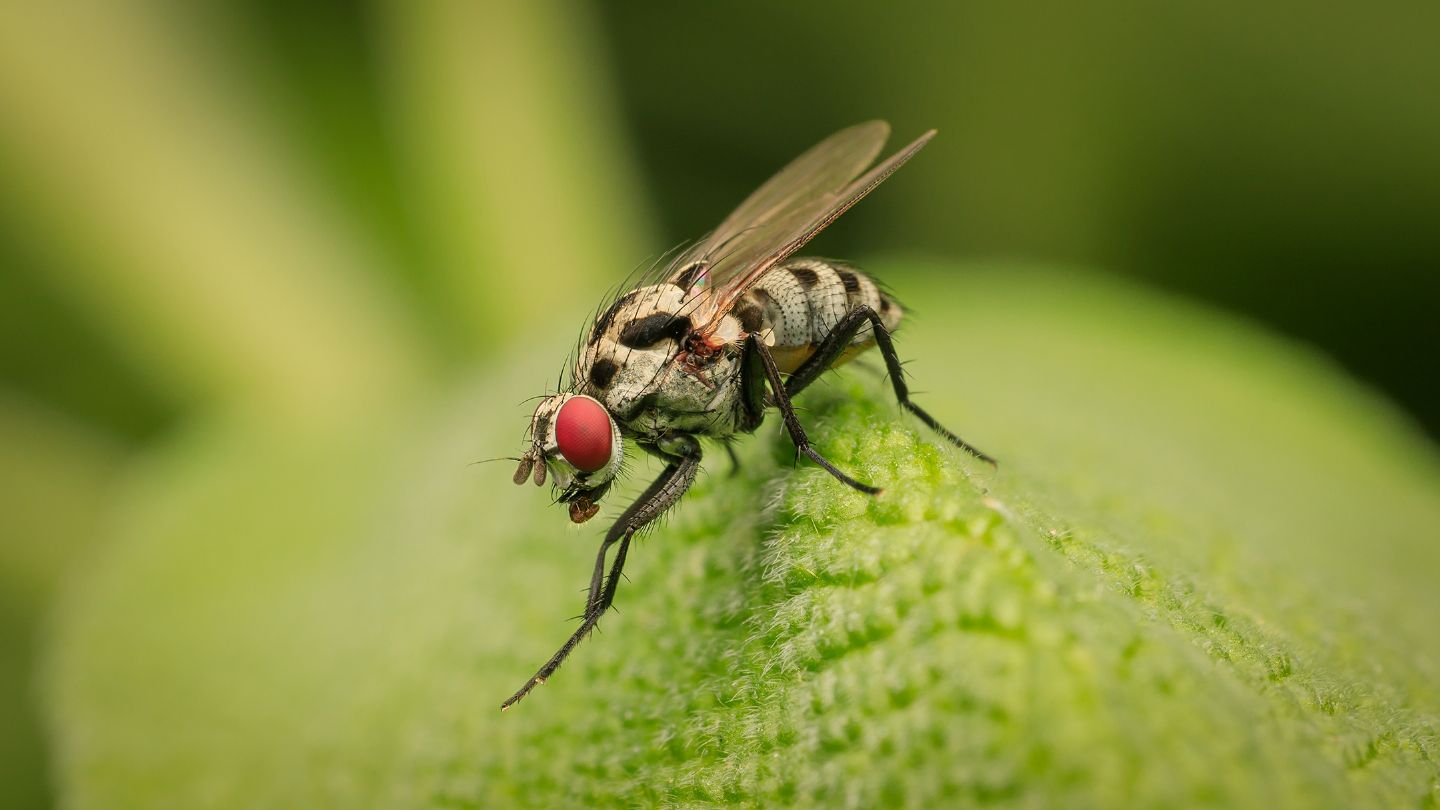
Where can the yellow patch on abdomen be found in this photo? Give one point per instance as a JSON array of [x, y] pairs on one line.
[[790, 358]]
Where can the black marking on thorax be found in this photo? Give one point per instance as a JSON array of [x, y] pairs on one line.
[[692, 273], [652, 329], [603, 322], [602, 371]]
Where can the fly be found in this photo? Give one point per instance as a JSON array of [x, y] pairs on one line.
[[729, 328]]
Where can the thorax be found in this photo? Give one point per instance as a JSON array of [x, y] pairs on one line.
[[633, 364]]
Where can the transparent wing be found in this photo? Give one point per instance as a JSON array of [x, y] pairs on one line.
[[825, 169], [782, 215]]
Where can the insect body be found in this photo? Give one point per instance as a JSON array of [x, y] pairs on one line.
[[731, 327]]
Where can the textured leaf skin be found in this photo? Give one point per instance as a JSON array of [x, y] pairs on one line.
[[1203, 576]]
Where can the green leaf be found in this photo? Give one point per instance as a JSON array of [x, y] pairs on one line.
[[1203, 575]]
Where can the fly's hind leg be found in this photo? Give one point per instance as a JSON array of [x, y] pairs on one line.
[[835, 344]]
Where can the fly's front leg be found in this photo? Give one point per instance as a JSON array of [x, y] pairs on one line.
[[792, 423], [683, 454], [835, 344]]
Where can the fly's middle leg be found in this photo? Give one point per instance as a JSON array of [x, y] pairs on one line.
[[734, 459], [753, 398], [839, 339], [754, 347]]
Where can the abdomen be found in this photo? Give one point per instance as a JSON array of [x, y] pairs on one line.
[[801, 301]]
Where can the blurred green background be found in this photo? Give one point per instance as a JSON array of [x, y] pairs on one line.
[[300, 215]]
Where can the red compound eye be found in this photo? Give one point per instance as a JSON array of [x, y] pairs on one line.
[[582, 429]]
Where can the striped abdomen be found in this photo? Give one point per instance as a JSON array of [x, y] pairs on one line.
[[801, 301]]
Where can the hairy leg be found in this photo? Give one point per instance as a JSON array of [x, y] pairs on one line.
[[835, 344], [792, 423], [660, 496]]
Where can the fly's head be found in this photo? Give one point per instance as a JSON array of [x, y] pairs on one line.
[[575, 440]]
